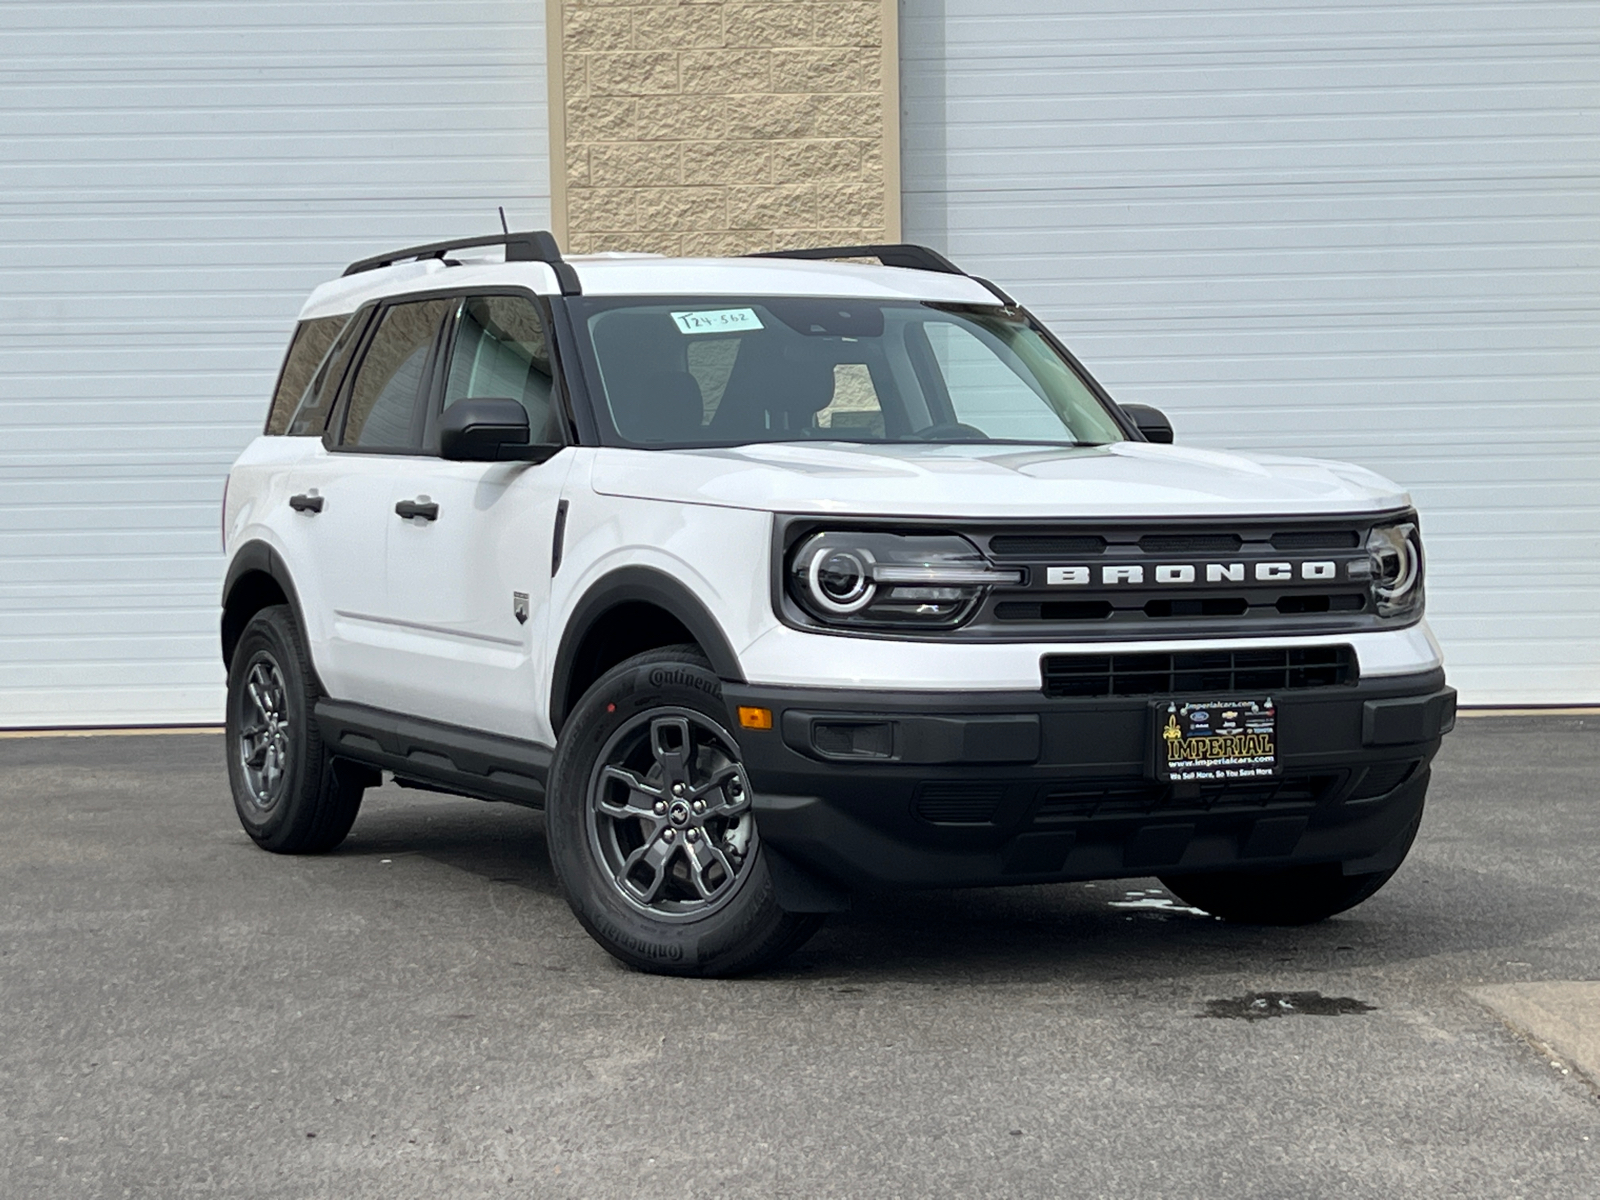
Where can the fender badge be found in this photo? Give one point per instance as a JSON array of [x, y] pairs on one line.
[[519, 606]]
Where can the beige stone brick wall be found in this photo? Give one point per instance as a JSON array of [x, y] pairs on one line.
[[722, 127]]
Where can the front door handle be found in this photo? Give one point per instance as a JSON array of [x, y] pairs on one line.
[[407, 509], [305, 503]]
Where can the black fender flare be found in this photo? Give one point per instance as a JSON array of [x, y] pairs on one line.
[[633, 584], [256, 557]]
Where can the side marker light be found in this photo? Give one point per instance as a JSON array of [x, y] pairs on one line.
[[755, 718]]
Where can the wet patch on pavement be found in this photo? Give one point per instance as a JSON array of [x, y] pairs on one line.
[[1261, 1006]]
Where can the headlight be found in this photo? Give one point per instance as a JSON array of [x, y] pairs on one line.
[[889, 579], [1396, 555]]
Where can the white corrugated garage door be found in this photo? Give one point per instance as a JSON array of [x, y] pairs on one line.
[[174, 178], [1363, 230]]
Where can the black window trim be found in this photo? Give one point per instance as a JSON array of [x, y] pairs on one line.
[[574, 372]]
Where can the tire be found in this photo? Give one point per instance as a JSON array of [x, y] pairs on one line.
[[1293, 896], [291, 796], [651, 829]]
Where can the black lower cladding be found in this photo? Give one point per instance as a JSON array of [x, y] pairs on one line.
[[904, 789], [436, 757]]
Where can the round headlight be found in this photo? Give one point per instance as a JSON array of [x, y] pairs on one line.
[[881, 580], [1396, 553], [840, 579]]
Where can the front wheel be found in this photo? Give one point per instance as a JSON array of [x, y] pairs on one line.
[[651, 827]]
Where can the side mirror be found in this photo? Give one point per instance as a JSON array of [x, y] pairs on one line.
[[477, 430], [1151, 422]]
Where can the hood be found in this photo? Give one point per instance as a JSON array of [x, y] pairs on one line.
[[1124, 479]]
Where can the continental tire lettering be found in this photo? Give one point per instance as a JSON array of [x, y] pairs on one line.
[[672, 952], [674, 676]]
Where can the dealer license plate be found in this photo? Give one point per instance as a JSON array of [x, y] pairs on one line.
[[1203, 741]]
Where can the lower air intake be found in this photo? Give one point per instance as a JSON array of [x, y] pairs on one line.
[[1200, 672], [959, 803]]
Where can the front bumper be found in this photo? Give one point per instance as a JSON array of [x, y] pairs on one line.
[[934, 789]]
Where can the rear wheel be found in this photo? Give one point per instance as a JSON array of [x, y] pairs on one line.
[[651, 827], [291, 797]]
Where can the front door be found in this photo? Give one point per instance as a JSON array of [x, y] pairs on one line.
[[468, 582]]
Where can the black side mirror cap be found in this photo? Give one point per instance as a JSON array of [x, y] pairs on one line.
[[479, 430], [1151, 422]]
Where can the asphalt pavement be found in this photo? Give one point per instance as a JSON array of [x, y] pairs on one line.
[[418, 1014]]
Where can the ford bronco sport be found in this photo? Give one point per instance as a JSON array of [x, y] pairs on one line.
[[778, 579]]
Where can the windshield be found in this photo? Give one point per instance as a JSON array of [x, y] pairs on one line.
[[725, 372]]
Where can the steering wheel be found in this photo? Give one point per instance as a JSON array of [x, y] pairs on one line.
[[952, 431]]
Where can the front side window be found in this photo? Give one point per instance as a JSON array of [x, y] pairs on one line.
[[765, 369], [501, 352], [385, 410]]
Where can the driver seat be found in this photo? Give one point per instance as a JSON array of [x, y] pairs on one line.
[[775, 396]]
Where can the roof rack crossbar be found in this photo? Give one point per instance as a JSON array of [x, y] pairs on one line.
[[534, 245], [898, 254]]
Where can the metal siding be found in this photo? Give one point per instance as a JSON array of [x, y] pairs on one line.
[[1364, 231], [174, 179]]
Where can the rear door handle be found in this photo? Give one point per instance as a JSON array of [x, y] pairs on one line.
[[305, 503], [407, 509]]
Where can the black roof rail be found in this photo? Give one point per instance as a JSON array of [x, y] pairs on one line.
[[895, 254], [534, 245], [899, 254]]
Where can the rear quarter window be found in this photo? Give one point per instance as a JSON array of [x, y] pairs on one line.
[[307, 347], [311, 413]]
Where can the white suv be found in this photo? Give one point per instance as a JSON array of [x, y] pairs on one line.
[[779, 579]]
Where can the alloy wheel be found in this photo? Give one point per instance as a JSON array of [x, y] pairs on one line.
[[669, 814], [264, 741]]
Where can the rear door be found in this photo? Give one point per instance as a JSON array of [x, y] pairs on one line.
[[370, 477], [311, 514], [468, 589]]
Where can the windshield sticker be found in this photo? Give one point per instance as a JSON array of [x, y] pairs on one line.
[[717, 320]]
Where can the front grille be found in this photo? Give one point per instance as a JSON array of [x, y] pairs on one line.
[[1347, 602], [1053, 610], [1201, 672], [1092, 801], [1317, 539], [1177, 579], [1216, 606], [958, 802], [1212, 606], [1190, 543], [1024, 545]]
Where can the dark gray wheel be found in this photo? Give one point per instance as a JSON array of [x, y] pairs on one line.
[[651, 827], [291, 796], [263, 742], [669, 814]]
